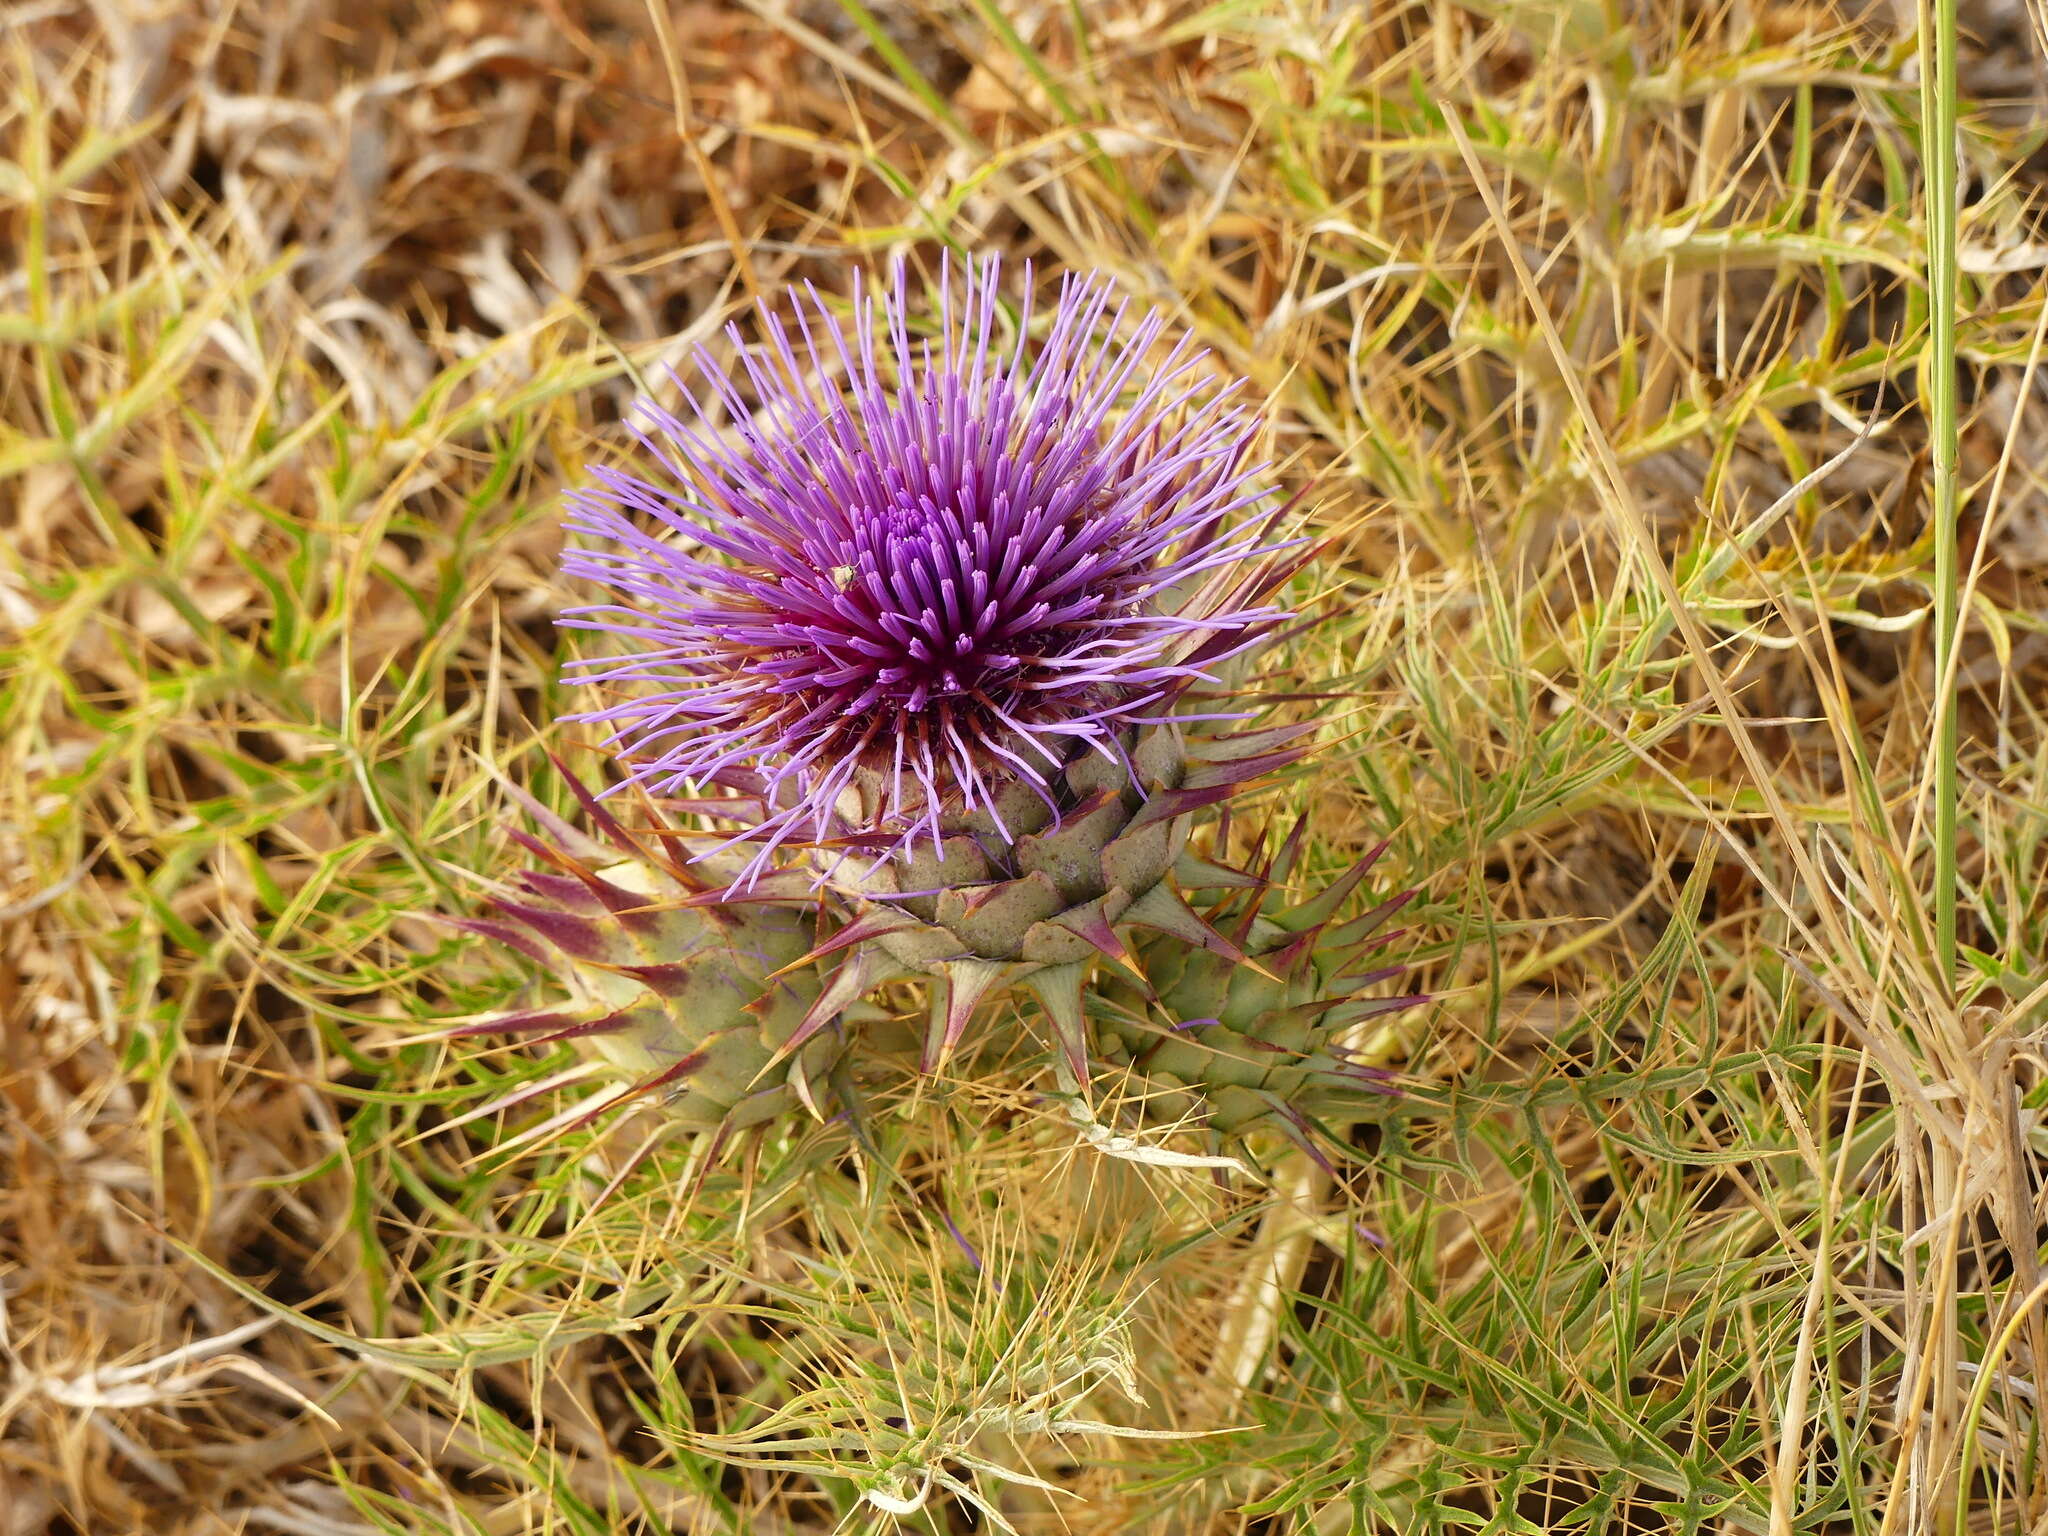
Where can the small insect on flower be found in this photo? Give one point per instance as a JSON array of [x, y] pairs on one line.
[[935, 557]]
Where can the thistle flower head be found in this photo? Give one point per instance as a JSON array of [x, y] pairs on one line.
[[941, 562]]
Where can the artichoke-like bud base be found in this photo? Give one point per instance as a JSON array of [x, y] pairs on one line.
[[678, 989], [1037, 885], [1234, 1046]]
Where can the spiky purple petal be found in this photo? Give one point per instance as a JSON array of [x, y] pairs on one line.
[[942, 563]]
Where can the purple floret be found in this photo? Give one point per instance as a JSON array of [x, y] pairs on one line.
[[935, 564]]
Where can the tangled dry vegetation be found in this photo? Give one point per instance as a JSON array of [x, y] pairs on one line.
[[1600, 331]]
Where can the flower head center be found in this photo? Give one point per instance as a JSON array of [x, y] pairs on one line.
[[950, 588]]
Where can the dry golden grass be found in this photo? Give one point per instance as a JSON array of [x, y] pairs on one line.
[[1601, 333]]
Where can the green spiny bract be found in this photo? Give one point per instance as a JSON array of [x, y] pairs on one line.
[[1232, 1046], [1037, 887], [675, 989]]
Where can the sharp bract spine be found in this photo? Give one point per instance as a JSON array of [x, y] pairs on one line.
[[681, 989], [1233, 1046], [982, 910]]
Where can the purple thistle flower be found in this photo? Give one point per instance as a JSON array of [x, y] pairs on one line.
[[944, 563]]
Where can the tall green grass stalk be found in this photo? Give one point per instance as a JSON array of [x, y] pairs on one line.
[[1938, 94]]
